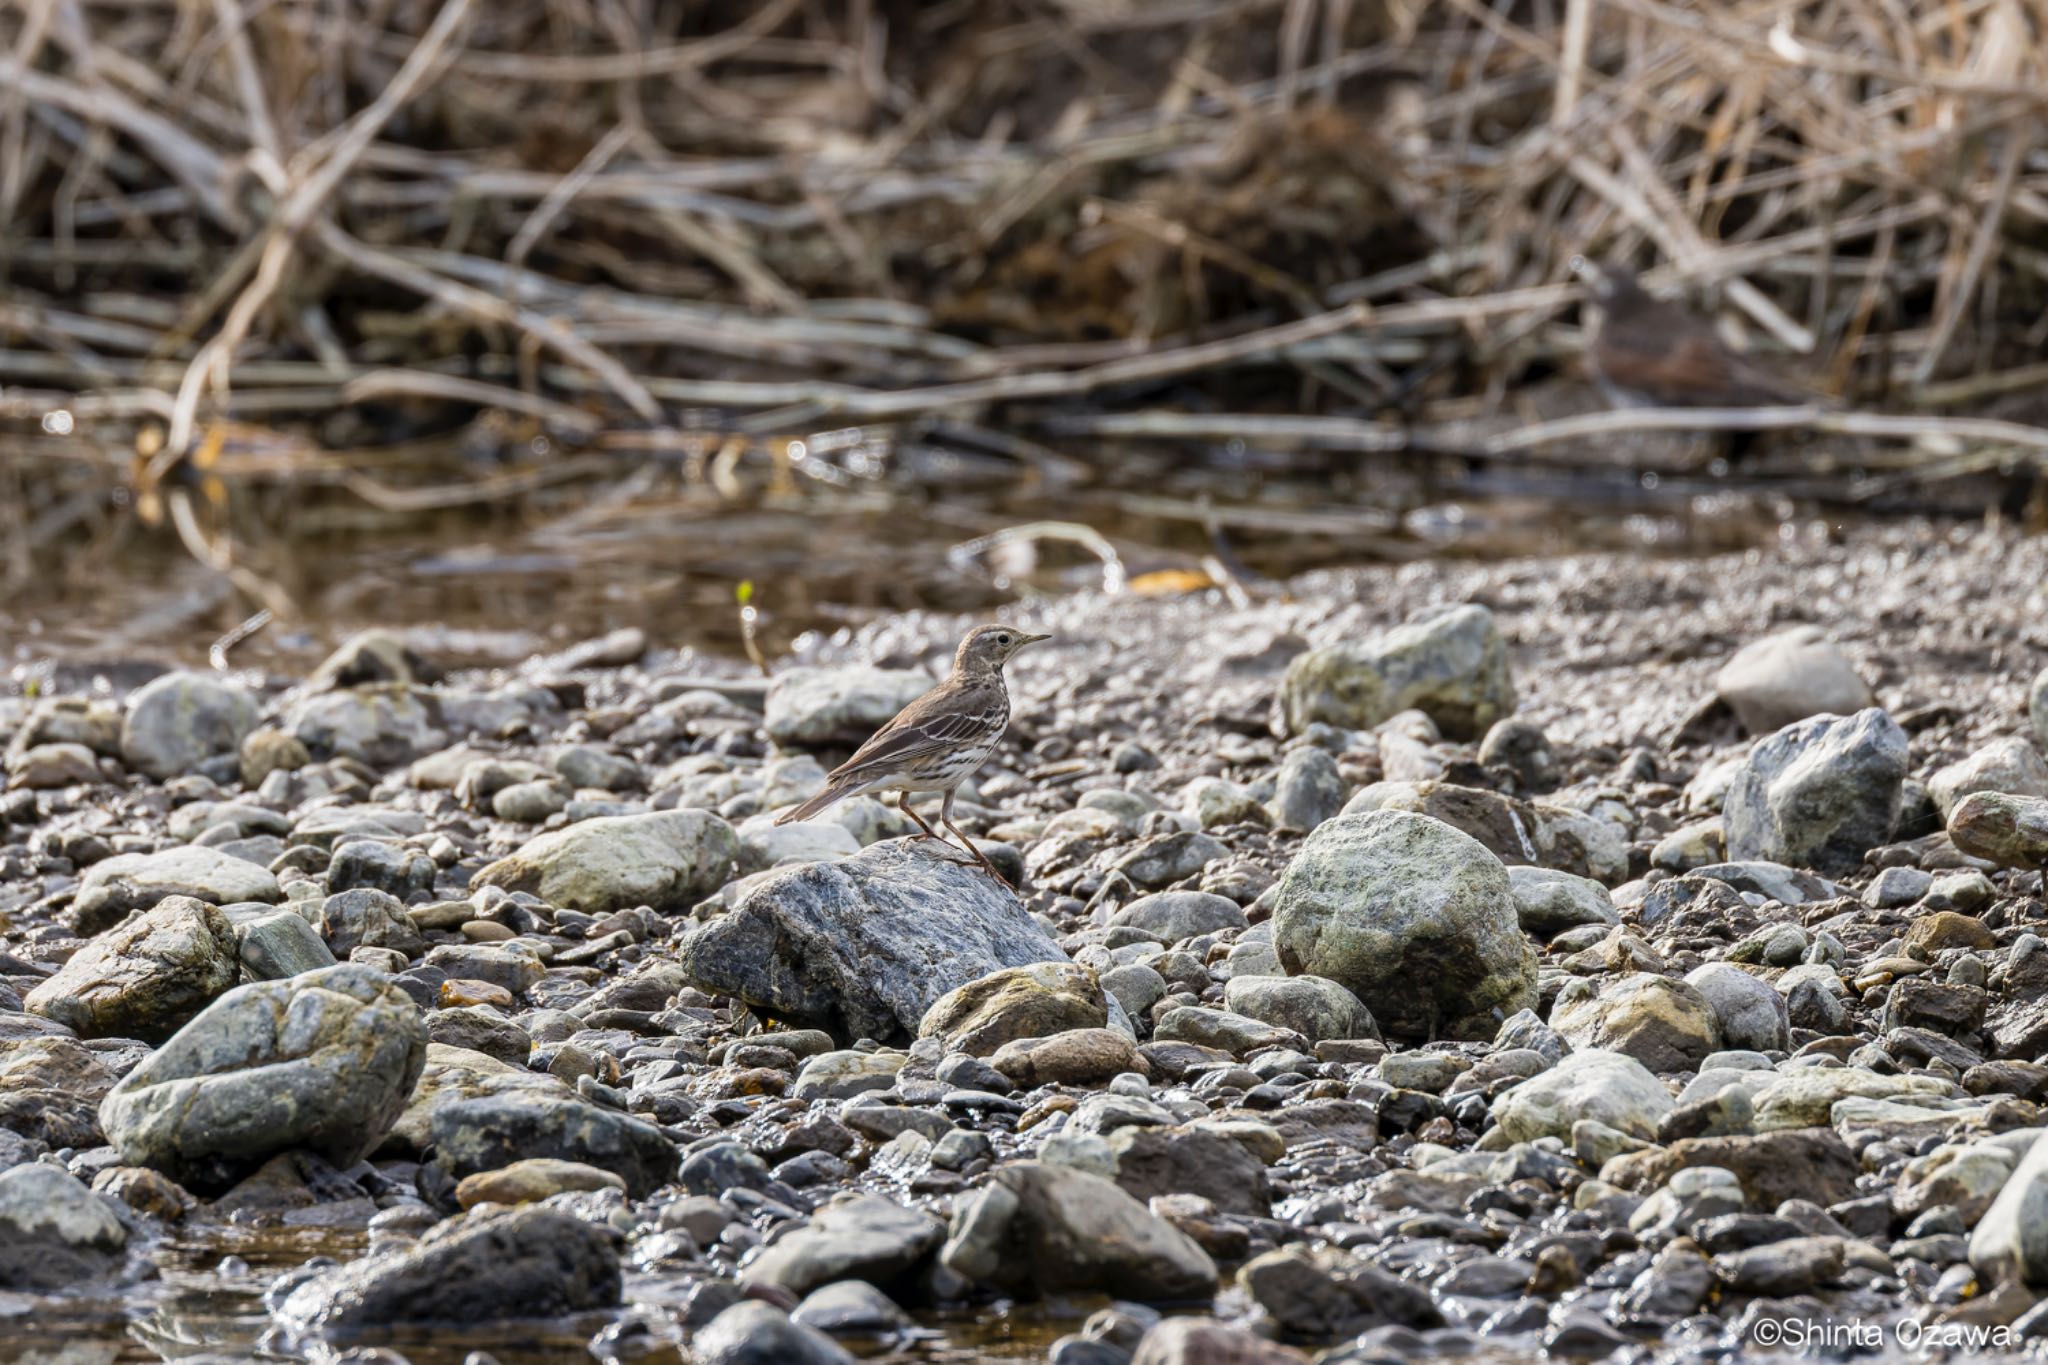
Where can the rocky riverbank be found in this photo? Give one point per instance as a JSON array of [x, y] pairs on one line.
[[1587, 954]]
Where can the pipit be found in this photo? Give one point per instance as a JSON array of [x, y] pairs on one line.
[[937, 740], [1648, 352]]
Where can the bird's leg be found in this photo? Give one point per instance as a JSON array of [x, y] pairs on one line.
[[903, 804], [946, 819]]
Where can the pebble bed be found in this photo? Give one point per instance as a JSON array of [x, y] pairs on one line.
[[1599, 957]]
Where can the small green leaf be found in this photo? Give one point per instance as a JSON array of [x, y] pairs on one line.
[[745, 591]]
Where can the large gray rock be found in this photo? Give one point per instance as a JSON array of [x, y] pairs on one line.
[[669, 860], [838, 705], [145, 978], [2037, 709], [367, 918], [856, 1236], [2010, 1243], [1603, 1087], [1324, 1293], [136, 881], [1819, 794], [492, 1266], [1035, 1229], [385, 725], [479, 1028], [1665, 1024], [867, 945], [54, 1232], [1309, 789], [765, 844], [323, 1062], [1783, 678], [1171, 916], [2011, 831], [1414, 918], [1032, 1001], [279, 944], [1452, 666], [1749, 1011], [1214, 1166], [1164, 859], [1548, 902], [2012, 766], [1312, 1006], [1238, 1034], [180, 720]]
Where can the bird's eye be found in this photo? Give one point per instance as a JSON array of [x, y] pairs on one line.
[[1002, 639]]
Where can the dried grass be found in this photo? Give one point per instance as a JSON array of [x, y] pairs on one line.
[[636, 227]]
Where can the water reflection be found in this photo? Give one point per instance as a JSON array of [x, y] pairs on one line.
[[206, 1304], [664, 551]]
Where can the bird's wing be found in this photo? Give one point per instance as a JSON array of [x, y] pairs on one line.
[[1679, 359], [1696, 370], [942, 719]]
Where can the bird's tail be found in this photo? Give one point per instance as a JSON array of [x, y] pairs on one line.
[[833, 793]]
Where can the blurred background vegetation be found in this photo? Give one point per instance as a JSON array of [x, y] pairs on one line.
[[540, 316]]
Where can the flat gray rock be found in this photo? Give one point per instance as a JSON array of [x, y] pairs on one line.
[[1786, 677], [668, 860], [135, 881], [838, 705], [1452, 665], [860, 1236], [1036, 1229]]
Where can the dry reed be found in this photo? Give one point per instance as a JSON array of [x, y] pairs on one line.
[[251, 242]]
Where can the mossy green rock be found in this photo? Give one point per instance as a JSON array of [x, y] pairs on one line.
[[1411, 916], [1806, 1099], [668, 860], [1453, 666], [323, 1062]]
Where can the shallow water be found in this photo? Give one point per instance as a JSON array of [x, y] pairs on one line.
[[493, 585], [201, 1302]]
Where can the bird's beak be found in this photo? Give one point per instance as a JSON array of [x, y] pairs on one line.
[[1031, 640]]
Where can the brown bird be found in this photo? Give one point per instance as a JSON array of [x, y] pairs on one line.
[[937, 740], [1646, 352]]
